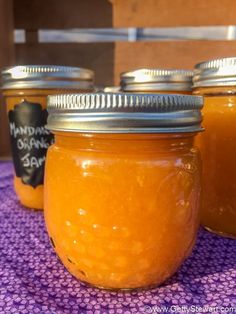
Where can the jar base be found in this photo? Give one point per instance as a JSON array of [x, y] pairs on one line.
[[124, 290], [30, 207], [220, 233], [138, 289]]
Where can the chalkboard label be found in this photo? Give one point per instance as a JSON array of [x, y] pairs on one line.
[[30, 141]]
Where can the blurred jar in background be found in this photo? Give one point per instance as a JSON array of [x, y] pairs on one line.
[[216, 81], [26, 89], [157, 81], [122, 185]]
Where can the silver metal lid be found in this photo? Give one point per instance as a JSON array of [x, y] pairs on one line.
[[46, 77], [112, 89], [156, 79], [124, 113], [218, 72]]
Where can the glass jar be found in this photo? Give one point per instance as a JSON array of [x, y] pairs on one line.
[[122, 185], [162, 81], [26, 89], [216, 81]]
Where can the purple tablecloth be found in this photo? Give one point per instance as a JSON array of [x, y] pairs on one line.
[[32, 279]]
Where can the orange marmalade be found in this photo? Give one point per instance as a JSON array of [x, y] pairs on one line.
[[161, 81], [26, 89], [122, 185], [216, 80]]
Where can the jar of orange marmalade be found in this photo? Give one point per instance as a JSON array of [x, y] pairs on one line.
[[122, 185], [26, 89], [216, 81], [166, 81]]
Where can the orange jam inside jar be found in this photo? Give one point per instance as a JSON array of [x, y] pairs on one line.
[[216, 81], [160, 81], [26, 89], [122, 186]]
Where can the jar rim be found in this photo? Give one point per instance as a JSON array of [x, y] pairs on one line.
[[156, 79], [216, 72], [124, 113], [46, 76]]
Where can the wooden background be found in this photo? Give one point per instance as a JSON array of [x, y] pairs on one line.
[[109, 59]]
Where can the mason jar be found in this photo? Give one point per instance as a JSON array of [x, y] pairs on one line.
[[26, 89], [122, 185], [216, 81], [166, 81]]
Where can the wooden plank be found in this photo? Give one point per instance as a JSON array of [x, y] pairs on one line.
[[155, 13], [6, 58], [57, 14], [168, 54], [95, 56]]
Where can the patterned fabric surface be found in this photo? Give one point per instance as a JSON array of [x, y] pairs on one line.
[[32, 279]]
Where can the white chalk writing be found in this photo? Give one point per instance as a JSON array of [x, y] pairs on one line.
[[32, 143], [27, 130], [31, 161]]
